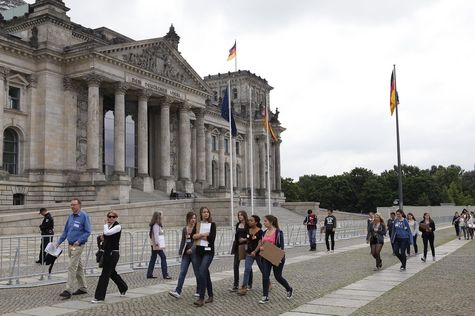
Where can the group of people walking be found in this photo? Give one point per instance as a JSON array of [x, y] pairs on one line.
[[403, 231], [328, 226], [197, 249], [464, 223]]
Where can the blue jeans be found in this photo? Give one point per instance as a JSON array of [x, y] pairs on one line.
[[204, 279], [247, 279], [185, 264], [400, 247], [312, 238], [266, 267], [163, 263]]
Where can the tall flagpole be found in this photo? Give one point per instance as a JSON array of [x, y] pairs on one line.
[[268, 155], [251, 154], [235, 57], [401, 203], [231, 154]]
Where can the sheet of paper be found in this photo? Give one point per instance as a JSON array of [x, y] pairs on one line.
[[161, 241], [204, 228], [52, 250]]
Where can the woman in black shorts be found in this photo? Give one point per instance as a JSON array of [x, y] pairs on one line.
[[376, 232]]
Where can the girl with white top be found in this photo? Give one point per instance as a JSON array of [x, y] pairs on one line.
[[156, 234], [414, 225]]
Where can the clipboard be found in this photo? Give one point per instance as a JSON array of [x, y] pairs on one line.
[[272, 253]]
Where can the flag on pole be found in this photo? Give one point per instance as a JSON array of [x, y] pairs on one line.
[[225, 113], [394, 97], [232, 52], [268, 126]]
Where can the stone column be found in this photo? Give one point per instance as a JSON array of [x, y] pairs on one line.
[[119, 129], [262, 162], [244, 163], [209, 161], [222, 161], [165, 184], [143, 181], [278, 185], [201, 150], [184, 170], [70, 124], [3, 102], [193, 152], [92, 151]]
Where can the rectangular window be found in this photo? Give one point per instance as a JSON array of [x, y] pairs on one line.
[[214, 142], [235, 93], [238, 149], [14, 98], [215, 95], [226, 146]]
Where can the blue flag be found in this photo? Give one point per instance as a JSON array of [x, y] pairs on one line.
[[225, 113]]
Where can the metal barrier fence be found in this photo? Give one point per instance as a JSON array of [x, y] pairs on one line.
[[18, 254]]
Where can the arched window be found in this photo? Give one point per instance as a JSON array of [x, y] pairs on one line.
[[10, 151]]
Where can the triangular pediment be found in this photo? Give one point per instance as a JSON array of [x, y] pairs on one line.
[[158, 57]]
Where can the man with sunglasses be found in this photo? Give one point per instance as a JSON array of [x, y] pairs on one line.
[[76, 232]]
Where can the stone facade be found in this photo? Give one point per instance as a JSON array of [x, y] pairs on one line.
[[92, 113]]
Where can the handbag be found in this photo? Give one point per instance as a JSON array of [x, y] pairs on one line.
[[100, 257]]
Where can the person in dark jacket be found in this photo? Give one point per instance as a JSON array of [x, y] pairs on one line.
[[391, 219], [240, 239], [204, 235], [456, 223], [376, 233], [253, 239], [427, 227], [111, 236], [311, 222], [47, 232], [330, 227], [401, 237], [273, 235], [186, 253]]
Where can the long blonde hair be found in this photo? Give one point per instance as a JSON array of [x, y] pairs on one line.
[[381, 219]]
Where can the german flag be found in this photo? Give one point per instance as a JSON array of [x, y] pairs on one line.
[[232, 52], [268, 126], [394, 98]]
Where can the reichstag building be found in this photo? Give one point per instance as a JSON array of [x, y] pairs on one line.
[[95, 114]]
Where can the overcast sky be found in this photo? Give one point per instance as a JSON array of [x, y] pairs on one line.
[[330, 64]]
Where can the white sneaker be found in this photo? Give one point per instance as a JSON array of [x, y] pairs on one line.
[[94, 301], [175, 294], [264, 300], [332, 251], [433, 258]]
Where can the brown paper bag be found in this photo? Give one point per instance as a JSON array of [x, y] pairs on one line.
[[272, 253], [242, 252]]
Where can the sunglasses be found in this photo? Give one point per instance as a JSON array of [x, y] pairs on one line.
[[111, 216]]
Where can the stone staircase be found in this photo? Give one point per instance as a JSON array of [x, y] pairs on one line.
[[140, 196]]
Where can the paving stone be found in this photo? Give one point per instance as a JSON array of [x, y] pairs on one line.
[[343, 302], [73, 305], [325, 310], [363, 293], [47, 311], [368, 285]]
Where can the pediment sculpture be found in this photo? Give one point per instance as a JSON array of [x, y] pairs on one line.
[[158, 60]]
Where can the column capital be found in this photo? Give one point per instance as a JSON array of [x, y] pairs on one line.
[[121, 87], [145, 94], [185, 106], [93, 80], [67, 84], [199, 112], [209, 128]]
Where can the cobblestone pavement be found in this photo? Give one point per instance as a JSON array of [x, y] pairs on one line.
[[311, 279], [445, 288], [48, 295]]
